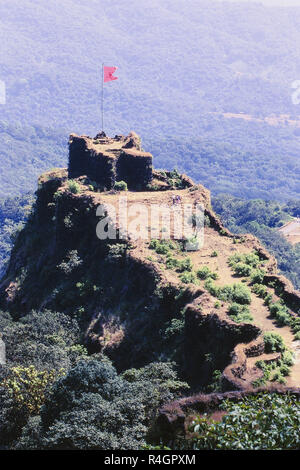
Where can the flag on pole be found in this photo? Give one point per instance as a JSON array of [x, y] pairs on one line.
[[108, 74]]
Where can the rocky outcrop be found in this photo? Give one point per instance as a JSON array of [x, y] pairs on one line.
[[285, 289], [211, 337], [106, 160]]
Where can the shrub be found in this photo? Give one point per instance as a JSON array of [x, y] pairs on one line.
[[273, 342], [242, 269], [27, 386], [238, 429], [281, 314], [251, 259], [268, 299], [121, 186], [216, 383], [214, 254], [284, 370], [71, 262], [161, 247], [212, 288], [287, 358], [188, 277], [175, 327], [73, 187], [206, 273], [240, 313], [241, 294], [257, 276], [184, 265], [259, 290]]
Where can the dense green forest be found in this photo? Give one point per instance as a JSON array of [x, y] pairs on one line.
[[245, 159], [54, 396], [178, 62], [13, 214], [27, 151]]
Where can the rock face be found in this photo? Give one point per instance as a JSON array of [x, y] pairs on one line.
[[106, 160]]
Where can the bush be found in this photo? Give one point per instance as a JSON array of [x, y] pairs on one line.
[[175, 327], [161, 247], [73, 186], [259, 290], [287, 358], [242, 269], [240, 313], [180, 265], [273, 342], [188, 277], [241, 294], [70, 263], [206, 273], [257, 276], [27, 386], [121, 186], [284, 370], [277, 417], [281, 314], [251, 259], [230, 293]]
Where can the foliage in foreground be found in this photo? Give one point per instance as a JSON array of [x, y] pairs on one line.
[[264, 421], [91, 407]]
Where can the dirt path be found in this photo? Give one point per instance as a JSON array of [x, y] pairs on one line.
[[260, 312], [214, 254]]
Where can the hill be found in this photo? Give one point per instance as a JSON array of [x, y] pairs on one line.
[[119, 325], [178, 63]]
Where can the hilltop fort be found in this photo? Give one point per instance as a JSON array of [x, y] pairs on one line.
[[107, 160], [215, 311]]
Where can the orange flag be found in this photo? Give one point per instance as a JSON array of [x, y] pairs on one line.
[[108, 74]]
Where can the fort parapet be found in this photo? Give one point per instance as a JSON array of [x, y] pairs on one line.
[[106, 160]]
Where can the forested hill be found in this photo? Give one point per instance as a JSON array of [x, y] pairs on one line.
[[179, 62], [176, 61]]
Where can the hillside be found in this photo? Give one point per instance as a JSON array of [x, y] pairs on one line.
[[185, 64], [61, 274], [132, 323]]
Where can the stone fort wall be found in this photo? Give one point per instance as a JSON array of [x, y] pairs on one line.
[[106, 160]]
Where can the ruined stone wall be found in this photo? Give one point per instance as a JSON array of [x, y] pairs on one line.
[[85, 160], [134, 167], [107, 160]]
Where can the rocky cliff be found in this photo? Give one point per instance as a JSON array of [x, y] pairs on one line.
[[140, 301]]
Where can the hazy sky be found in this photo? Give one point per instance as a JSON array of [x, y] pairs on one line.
[[270, 2]]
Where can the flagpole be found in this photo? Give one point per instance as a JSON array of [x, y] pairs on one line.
[[102, 97]]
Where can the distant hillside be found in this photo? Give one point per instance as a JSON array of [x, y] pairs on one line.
[[178, 62], [25, 151]]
